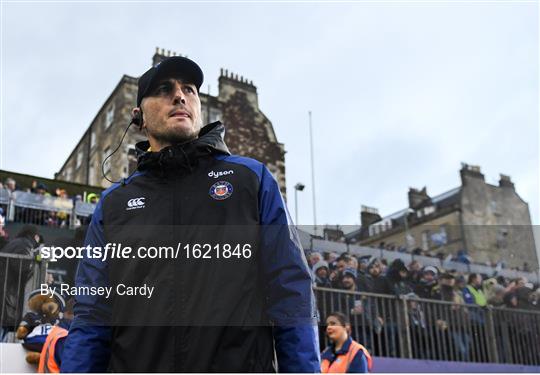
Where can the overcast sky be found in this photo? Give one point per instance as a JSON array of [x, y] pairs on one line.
[[401, 94]]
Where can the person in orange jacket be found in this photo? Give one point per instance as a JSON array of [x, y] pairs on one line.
[[344, 355], [51, 354]]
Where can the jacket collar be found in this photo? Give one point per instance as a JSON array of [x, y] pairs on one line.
[[183, 157], [332, 354]]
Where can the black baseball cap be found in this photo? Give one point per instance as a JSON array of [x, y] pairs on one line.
[[174, 66]]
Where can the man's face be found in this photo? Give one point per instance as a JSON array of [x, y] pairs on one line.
[[341, 265], [348, 282], [375, 270], [171, 113], [477, 282], [429, 276], [322, 272]]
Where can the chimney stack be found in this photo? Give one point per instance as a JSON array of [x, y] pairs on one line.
[[368, 216], [505, 181], [469, 172]]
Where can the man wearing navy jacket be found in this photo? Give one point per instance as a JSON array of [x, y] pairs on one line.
[[231, 287]]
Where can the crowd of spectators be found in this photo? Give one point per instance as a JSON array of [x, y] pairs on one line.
[[462, 256], [40, 217], [375, 275], [452, 325]]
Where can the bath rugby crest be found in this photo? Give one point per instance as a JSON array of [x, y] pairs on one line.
[[221, 190]]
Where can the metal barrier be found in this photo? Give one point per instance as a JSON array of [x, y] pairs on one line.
[[19, 274], [391, 326], [29, 208]]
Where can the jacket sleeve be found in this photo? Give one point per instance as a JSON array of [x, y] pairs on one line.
[[468, 297], [87, 347], [358, 364], [290, 298]]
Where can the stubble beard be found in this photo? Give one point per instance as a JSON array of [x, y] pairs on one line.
[[178, 135]]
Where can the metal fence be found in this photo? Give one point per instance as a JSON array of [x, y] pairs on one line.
[[391, 326], [19, 274], [29, 208]]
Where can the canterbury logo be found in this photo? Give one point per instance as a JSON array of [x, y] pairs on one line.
[[220, 173], [135, 203]]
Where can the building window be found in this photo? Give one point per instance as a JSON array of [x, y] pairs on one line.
[[107, 163], [68, 174], [91, 173], [215, 115], [502, 238], [93, 140], [109, 116], [494, 208], [79, 159]]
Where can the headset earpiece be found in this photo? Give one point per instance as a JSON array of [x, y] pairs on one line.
[[137, 119]]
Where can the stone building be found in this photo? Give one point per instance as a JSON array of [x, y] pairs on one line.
[[248, 131], [490, 222]]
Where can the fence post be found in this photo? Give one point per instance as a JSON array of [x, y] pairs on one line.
[[493, 354], [10, 214], [403, 325], [73, 217]]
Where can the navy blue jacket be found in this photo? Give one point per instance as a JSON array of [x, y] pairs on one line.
[[206, 315]]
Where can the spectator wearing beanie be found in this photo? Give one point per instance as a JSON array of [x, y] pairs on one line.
[[427, 282], [397, 277], [363, 281], [321, 273], [378, 281]]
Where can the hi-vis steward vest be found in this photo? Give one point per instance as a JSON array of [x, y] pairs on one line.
[[342, 361], [47, 364], [479, 297]]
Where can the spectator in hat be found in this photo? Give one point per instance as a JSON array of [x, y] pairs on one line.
[[378, 282], [41, 189], [397, 277], [363, 281], [355, 305], [350, 303], [342, 262], [427, 282], [321, 272], [445, 289]]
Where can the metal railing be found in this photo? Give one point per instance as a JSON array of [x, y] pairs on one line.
[[19, 274], [391, 326], [30, 208]]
